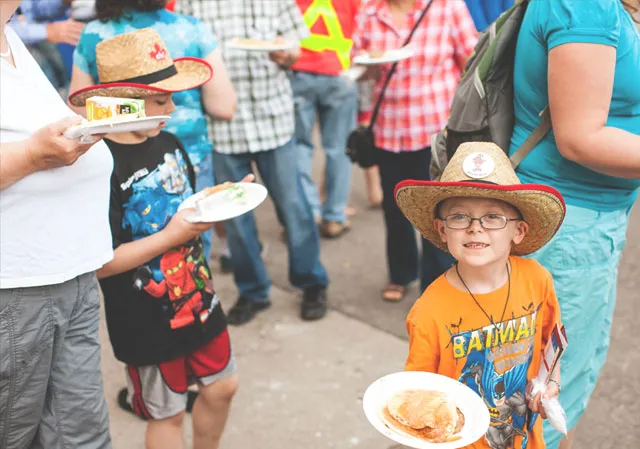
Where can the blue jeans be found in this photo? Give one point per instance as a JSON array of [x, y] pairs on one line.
[[279, 171], [334, 100], [204, 178]]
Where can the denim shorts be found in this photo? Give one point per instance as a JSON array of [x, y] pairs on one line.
[[583, 258], [51, 393]]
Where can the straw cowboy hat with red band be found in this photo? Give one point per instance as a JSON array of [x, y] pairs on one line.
[[483, 170], [138, 64]]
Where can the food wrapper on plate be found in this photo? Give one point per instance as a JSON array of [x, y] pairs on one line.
[[112, 108]]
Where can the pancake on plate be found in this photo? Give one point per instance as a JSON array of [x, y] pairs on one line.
[[429, 415]]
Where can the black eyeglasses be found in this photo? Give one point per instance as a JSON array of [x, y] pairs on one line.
[[489, 221]]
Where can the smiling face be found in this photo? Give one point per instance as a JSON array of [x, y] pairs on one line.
[[476, 246]]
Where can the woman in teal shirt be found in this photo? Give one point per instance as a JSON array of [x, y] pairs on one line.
[[582, 58], [185, 37]]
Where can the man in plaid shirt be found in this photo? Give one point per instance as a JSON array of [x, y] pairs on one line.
[[261, 133]]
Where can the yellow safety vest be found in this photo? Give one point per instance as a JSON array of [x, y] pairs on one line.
[[335, 40]]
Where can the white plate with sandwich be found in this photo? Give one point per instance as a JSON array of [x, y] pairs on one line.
[[107, 115], [118, 125], [224, 201], [384, 57], [426, 410], [249, 44]]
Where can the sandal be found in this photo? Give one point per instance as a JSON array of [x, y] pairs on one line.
[[333, 229], [394, 292]]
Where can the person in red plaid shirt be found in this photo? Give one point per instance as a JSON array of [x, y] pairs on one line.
[[415, 106]]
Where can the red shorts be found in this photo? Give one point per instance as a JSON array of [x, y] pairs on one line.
[[160, 391]]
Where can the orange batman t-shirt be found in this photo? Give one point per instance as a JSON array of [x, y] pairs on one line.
[[450, 335]]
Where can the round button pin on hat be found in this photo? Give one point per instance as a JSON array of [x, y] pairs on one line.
[[478, 165]]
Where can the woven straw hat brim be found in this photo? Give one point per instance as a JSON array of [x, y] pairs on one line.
[[192, 73], [542, 207]]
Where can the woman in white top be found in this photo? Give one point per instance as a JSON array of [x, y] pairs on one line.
[[54, 198]]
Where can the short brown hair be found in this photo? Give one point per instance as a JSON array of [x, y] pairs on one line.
[[115, 9]]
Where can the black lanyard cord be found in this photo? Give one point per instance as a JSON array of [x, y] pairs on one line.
[[478, 303]]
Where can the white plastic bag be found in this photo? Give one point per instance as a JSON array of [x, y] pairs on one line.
[[555, 413]]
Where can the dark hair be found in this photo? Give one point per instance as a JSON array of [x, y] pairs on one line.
[[114, 9]]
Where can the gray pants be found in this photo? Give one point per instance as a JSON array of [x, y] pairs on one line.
[[51, 393]]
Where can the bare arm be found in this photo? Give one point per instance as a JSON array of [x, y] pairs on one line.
[[552, 391], [284, 58], [178, 231], [130, 255], [79, 80], [64, 32], [579, 97], [218, 95], [47, 148], [134, 254], [14, 163]]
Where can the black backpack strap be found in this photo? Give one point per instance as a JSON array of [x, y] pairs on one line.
[[534, 138], [376, 108]]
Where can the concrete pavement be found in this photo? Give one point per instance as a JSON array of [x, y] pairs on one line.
[[302, 383]]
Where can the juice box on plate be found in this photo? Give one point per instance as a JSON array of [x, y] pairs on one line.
[[101, 108]]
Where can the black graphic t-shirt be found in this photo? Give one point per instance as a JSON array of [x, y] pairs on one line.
[[166, 308]]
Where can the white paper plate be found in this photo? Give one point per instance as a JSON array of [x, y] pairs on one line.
[[137, 124], [470, 404], [389, 56], [264, 46], [239, 199]]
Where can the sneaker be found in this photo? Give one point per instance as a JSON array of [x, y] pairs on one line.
[[333, 229], [314, 303], [245, 310]]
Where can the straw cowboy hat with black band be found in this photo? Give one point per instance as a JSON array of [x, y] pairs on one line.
[[483, 170], [137, 65]]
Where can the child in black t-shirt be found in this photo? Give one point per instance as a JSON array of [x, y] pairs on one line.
[[164, 319]]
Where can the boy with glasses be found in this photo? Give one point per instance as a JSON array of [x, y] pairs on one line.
[[486, 321]]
